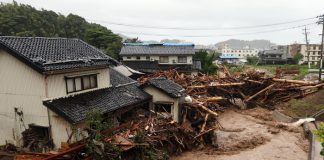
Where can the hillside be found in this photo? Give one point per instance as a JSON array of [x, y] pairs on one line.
[[26, 21], [239, 44]]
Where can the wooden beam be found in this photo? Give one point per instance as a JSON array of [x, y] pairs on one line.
[[263, 90], [293, 81]]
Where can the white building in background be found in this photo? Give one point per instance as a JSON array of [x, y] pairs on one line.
[[242, 53]]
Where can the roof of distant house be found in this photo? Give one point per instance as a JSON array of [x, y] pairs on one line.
[[157, 49], [52, 54], [167, 86], [124, 94]]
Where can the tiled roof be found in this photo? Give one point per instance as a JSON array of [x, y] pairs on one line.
[[157, 49], [167, 86], [50, 54], [153, 66], [122, 94]]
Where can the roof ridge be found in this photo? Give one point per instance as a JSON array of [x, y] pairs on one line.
[[40, 37]]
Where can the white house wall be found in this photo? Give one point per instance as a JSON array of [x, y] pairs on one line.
[[57, 86], [159, 96], [23, 88], [156, 58]]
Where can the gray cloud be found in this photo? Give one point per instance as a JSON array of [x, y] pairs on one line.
[[195, 13]]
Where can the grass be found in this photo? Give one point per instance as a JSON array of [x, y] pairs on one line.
[[303, 69], [301, 108]]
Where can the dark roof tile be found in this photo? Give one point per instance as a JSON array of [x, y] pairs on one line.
[[167, 86], [51, 54]]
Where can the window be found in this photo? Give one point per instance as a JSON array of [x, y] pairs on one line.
[[129, 57], [138, 57], [147, 57], [79, 83], [164, 59], [182, 59]]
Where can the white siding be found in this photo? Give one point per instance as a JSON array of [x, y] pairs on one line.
[[172, 59], [159, 96], [23, 88], [57, 86]]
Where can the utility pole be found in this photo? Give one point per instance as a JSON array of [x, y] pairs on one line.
[[321, 21], [307, 46]]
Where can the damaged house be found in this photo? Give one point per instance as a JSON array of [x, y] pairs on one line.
[[50, 84], [167, 97]]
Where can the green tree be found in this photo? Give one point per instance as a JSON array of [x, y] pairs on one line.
[[206, 60], [132, 40], [252, 60], [298, 57], [24, 20]]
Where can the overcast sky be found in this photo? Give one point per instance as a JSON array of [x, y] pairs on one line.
[[197, 14]]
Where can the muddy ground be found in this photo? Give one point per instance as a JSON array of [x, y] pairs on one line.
[[253, 135]]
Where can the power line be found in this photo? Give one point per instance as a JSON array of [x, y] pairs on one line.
[[202, 28], [220, 35]]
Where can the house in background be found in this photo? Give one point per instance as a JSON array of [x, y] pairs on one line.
[[150, 58], [50, 84], [236, 60], [166, 97], [277, 55]]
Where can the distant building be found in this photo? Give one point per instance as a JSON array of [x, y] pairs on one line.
[[241, 53], [276, 55], [231, 60], [314, 52], [150, 58]]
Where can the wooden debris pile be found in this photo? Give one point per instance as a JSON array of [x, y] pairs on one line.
[[212, 93], [146, 137]]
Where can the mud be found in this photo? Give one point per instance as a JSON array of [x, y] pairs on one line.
[[253, 135]]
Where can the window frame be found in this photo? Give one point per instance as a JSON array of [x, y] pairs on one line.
[[73, 78], [160, 59], [186, 59]]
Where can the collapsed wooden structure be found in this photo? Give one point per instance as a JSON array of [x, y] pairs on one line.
[[207, 97]]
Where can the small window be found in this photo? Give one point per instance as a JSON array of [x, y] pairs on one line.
[[147, 57], [164, 59], [79, 83], [129, 57], [182, 59], [138, 57]]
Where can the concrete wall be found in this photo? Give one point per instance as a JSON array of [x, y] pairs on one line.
[[23, 88], [159, 96], [156, 58]]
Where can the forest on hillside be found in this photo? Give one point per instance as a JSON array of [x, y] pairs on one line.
[[24, 20]]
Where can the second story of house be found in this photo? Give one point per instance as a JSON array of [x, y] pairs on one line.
[[51, 67], [164, 53]]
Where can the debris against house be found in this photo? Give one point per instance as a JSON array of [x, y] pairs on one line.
[[207, 96]]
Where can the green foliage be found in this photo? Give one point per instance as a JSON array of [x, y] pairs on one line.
[[207, 61], [298, 57], [97, 122], [24, 20], [320, 132], [133, 40], [252, 60], [320, 136]]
